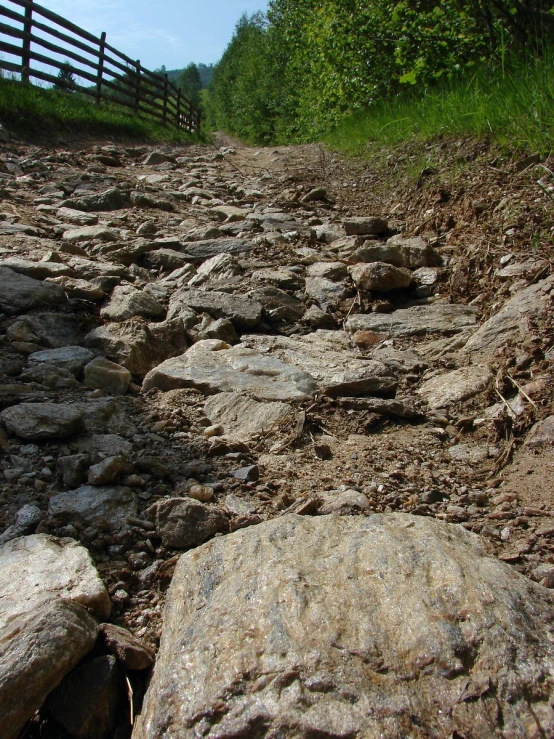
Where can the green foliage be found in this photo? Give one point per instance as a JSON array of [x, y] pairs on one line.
[[191, 83], [292, 75]]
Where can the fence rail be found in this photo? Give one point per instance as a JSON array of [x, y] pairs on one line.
[[112, 75]]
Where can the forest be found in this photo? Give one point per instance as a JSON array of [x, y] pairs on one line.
[[295, 72]]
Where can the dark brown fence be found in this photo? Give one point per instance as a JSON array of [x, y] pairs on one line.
[[110, 74]]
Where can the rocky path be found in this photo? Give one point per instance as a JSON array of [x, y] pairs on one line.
[[201, 341]]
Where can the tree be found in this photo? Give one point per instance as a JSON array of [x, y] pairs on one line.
[[66, 79], [190, 83]]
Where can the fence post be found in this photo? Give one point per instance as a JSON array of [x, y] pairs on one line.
[[102, 49], [166, 92], [137, 87], [26, 46], [178, 118]]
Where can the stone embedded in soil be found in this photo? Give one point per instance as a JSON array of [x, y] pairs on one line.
[[198, 251], [241, 417], [328, 356], [87, 233], [511, 322], [417, 321], [542, 433], [182, 523], [350, 633], [51, 594], [242, 311], [213, 367], [107, 376], [36, 270], [380, 277], [71, 358], [127, 302], [20, 294], [53, 330], [415, 252], [365, 225], [326, 293], [445, 389], [43, 421], [130, 651], [105, 508]]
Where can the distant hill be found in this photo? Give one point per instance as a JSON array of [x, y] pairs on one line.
[[206, 72]]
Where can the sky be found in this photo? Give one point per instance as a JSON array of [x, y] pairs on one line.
[[160, 32]]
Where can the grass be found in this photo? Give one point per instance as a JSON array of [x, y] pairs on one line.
[[512, 104], [35, 112]]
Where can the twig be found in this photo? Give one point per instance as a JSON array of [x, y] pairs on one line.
[[130, 694], [521, 390], [503, 399]]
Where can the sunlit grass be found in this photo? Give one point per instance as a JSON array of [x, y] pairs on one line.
[[513, 105], [33, 111]]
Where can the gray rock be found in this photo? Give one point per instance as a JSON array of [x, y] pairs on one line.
[[80, 289], [73, 469], [111, 199], [247, 474], [76, 217], [106, 509], [217, 269], [112, 378], [104, 444], [426, 280], [241, 417], [387, 253], [326, 293], [415, 252], [199, 251], [53, 330], [214, 367], [329, 233], [342, 502], [334, 271], [328, 357], [108, 470], [20, 294], [243, 312], [365, 226], [15, 229], [157, 157], [453, 387], [380, 277], [87, 269], [511, 322], [43, 421], [137, 346], [51, 593], [221, 329], [88, 233], [55, 378], [281, 277], [36, 270], [184, 522], [542, 433], [350, 627], [166, 260], [88, 700], [71, 358], [26, 521], [127, 302], [468, 453], [278, 305], [417, 321]]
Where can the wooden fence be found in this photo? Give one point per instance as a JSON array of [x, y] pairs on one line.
[[113, 75]]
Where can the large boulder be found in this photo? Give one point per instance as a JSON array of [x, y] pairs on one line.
[[51, 597], [380, 626]]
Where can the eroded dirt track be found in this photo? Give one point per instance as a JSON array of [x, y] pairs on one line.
[[288, 332]]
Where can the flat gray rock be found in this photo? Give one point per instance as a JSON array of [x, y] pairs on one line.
[[326, 293], [43, 421], [51, 596], [201, 250], [242, 311], [20, 294], [36, 270], [511, 322], [71, 358], [88, 233], [53, 330], [350, 627], [214, 367], [417, 321], [241, 417], [380, 277], [104, 508], [452, 387], [182, 523], [328, 356], [128, 302]]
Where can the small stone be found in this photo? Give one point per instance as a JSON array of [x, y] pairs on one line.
[[247, 474], [212, 431], [203, 493], [380, 277], [369, 225], [104, 375], [183, 522], [108, 470], [129, 650]]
